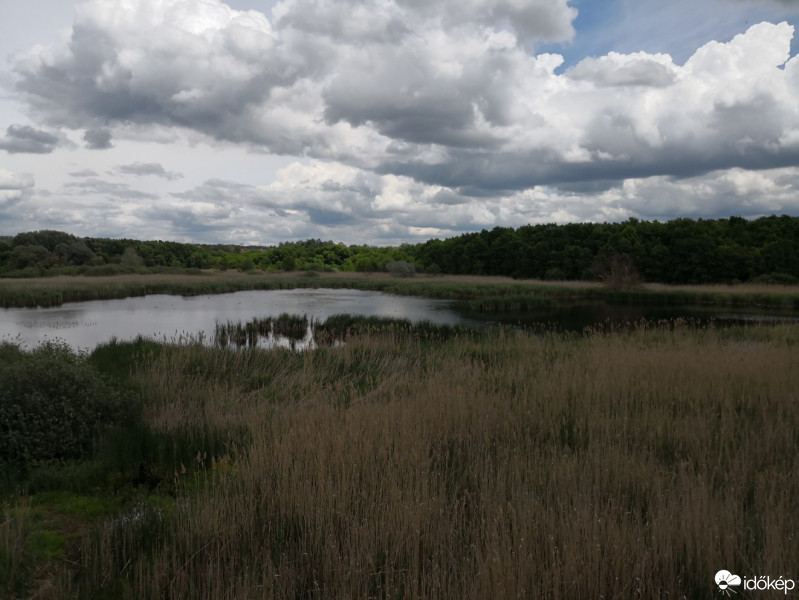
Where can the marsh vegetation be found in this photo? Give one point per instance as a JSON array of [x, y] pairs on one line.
[[476, 293], [490, 464]]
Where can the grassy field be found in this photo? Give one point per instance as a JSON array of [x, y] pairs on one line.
[[481, 294], [494, 465]]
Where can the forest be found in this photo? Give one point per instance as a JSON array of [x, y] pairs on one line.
[[681, 251]]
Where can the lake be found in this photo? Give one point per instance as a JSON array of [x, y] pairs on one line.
[[84, 325]]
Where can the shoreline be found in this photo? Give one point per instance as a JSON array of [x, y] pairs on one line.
[[489, 293]]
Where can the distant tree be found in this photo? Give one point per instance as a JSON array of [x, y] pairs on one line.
[[247, 264], [75, 253], [400, 268], [130, 258], [47, 238], [433, 269], [23, 257], [617, 272], [5, 254]]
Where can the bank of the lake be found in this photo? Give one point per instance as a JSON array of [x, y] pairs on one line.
[[480, 293]]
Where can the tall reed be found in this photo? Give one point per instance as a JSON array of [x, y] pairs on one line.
[[626, 464], [485, 294]]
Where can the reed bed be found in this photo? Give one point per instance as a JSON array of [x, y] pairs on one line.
[[500, 465], [56, 291], [482, 294]]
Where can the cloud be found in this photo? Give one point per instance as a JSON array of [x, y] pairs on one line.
[[532, 20], [410, 116], [28, 140], [615, 69], [230, 75], [13, 188], [98, 139], [180, 63], [752, 193], [144, 169], [106, 189]]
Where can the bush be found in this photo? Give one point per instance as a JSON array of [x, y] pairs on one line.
[[400, 268], [776, 279], [54, 404], [617, 272]]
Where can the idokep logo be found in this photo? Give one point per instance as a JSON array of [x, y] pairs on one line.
[[725, 580], [728, 581]]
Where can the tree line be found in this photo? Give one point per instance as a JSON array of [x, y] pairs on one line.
[[676, 252]]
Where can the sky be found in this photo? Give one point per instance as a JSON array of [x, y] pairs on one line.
[[391, 121]]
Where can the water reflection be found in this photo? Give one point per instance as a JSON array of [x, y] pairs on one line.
[[84, 325]]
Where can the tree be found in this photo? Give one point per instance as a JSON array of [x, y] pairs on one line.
[[130, 258], [400, 268], [617, 271], [23, 257]]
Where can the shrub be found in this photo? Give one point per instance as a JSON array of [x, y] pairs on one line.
[[617, 272], [400, 268], [776, 279], [54, 404]]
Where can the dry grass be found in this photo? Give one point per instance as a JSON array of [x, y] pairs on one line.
[[236, 276], [510, 466]]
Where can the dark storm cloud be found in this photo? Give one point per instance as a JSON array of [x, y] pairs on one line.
[[25, 139]]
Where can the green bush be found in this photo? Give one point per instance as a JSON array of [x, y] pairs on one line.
[[54, 404], [400, 268]]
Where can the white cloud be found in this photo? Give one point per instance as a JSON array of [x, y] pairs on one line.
[[13, 188], [407, 116], [639, 69]]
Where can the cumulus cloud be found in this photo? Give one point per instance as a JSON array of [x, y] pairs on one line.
[[13, 188], [753, 193], [98, 139], [413, 116], [615, 69], [145, 169], [28, 140], [532, 20], [466, 105]]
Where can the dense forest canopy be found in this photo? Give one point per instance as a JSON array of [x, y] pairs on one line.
[[678, 251]]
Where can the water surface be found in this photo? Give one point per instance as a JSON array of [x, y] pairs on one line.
[[84, 325]]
